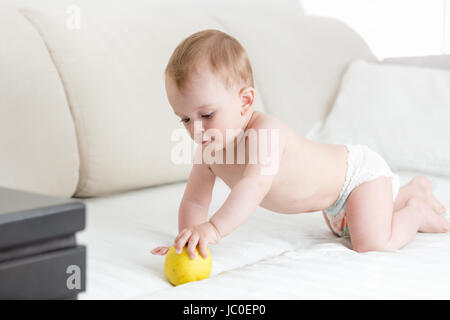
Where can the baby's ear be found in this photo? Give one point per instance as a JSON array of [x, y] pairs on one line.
[[247, 96]]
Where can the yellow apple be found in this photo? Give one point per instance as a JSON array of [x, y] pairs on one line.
[[180, 268]]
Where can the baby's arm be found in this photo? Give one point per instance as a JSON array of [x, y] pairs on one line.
[[247, 194], [244, 198], [197, 197], [194, 205]]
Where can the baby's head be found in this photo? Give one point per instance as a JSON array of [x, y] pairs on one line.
[[209, 81]]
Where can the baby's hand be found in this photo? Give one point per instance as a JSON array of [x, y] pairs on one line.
[[160, 251], [201, 234]]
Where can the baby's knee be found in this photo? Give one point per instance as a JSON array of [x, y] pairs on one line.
[[366, 245]]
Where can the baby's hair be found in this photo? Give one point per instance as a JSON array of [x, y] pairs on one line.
[[226, 56]]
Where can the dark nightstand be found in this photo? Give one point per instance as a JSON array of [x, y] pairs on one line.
[[39, 256]]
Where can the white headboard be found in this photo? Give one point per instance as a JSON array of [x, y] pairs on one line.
[[434, 61]]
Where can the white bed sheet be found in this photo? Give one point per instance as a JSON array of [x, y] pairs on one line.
[[270, 256]]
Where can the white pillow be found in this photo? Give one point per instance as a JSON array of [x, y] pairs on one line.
[[402, 112]]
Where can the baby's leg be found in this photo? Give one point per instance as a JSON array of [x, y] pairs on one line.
[[372, 224], [418, 187]]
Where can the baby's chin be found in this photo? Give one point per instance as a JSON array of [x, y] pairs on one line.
[[215, 145]]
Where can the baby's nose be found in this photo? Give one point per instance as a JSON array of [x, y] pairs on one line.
[[198, 131], [198, 126]]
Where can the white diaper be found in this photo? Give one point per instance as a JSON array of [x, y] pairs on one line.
[[363, 164]]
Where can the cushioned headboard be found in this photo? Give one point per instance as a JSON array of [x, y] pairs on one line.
[[38, 148], [298, 62], [112, 70]]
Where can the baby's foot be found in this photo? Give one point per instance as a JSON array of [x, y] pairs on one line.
[[431, 221], [424, 191]]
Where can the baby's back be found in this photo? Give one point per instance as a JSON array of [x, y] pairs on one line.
[[310, 175]]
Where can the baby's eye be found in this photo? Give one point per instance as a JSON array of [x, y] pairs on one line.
[[207, 116], [184, 120]]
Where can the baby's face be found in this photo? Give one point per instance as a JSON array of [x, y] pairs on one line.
[[207, 104]]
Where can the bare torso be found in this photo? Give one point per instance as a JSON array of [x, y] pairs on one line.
[[310, 175]]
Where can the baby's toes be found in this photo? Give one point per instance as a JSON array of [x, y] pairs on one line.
[[446, 226], [435, 204], [442, 225], [432, 222]]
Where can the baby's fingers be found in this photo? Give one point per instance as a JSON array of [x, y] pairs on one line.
[[154, 251], [192, 245], [203, 245], [180, 243], [160, 251], [164, 250], [180, 234]]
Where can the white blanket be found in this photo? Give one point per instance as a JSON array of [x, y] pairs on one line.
[[270, 256]]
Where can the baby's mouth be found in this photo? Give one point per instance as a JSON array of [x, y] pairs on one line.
[[207, 140]]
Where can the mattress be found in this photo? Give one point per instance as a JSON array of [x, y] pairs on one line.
[[270, 256]]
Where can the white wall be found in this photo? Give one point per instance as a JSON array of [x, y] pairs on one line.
[[391, 27]]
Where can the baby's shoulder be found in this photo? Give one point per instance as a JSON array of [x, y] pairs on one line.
[[266, 121], [261, 120], [263, 123]]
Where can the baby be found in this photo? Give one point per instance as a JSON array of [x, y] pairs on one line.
[[209, 84]]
